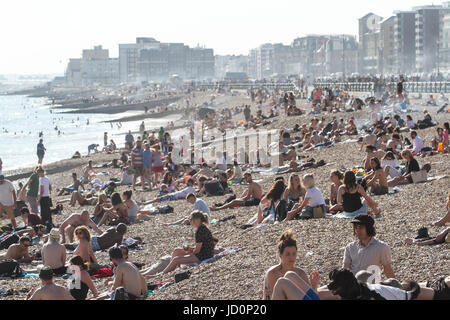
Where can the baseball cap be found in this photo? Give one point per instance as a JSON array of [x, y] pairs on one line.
[[363, 219]]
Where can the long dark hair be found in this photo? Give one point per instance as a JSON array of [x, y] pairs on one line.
[[116, 199], [78, 261], [128, 194], [350, 180], [167, 178], [276, 191], [377, 163]]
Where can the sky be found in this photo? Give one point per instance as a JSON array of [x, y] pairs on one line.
[[39, 36]]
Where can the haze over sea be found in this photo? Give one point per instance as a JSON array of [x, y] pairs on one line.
[[22, 119]]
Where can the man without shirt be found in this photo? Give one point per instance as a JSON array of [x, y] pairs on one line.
[[48, 289], [251, 197], [127, 281], [54, 253], [76, 220], [19, 252]]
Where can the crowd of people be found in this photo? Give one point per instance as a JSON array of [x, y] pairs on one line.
[[147, 161]]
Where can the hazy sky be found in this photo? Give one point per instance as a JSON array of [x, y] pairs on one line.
[[39, 36]]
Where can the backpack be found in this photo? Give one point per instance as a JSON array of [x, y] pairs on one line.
[[281, 211], [10, 268], [180, 276], [165, 209], [9, 240], [214, 189]]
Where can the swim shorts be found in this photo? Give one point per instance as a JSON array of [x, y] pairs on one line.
[[252, 202], [158, 169], [311, 295]]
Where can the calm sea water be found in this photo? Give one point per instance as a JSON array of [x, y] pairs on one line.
[[22, 118]]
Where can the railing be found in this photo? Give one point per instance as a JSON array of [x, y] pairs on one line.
[[287, 86], [413, 87]]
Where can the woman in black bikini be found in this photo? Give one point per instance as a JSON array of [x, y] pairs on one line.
[[349, 196], [82, 281]]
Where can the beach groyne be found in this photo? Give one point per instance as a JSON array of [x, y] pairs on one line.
[[109, 109]]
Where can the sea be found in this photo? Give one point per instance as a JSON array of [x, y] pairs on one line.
[[22, 119]]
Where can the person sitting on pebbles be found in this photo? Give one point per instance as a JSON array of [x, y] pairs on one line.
[[49, 290], [441, 238], [250, 198], [75, 220], [285, 281], [204, 244], [446, 219], [19, 251]]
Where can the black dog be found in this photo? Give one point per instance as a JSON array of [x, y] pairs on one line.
[[344, 284]]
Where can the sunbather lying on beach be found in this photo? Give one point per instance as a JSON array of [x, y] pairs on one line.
[[176, 195], [73, 187]]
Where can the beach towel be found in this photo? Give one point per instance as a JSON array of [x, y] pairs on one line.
[[103, 273], [216, 257], [275, 171], [437, 178]]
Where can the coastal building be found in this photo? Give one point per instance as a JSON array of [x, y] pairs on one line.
[[151, 60], [94, 68], [303, 51], [388, 63], [444, 48], [341, 55], [427, 29], [404, 42], [73, 73], [369, 51], [230, 64]]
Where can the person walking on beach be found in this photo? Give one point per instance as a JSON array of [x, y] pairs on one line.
[[45, 188], [41, 151], [33, 190], [137, 163], [105, 139], [7, 199], [129, 141]]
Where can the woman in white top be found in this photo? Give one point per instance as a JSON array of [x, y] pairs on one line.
[[132, 206], [390, 165], [410, 122], [313, 199]]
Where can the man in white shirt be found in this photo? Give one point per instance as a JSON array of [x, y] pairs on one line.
[[7, 199], [417, 143], [45, 188]]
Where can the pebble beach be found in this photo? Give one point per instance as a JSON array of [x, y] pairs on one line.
[[239, 276]]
